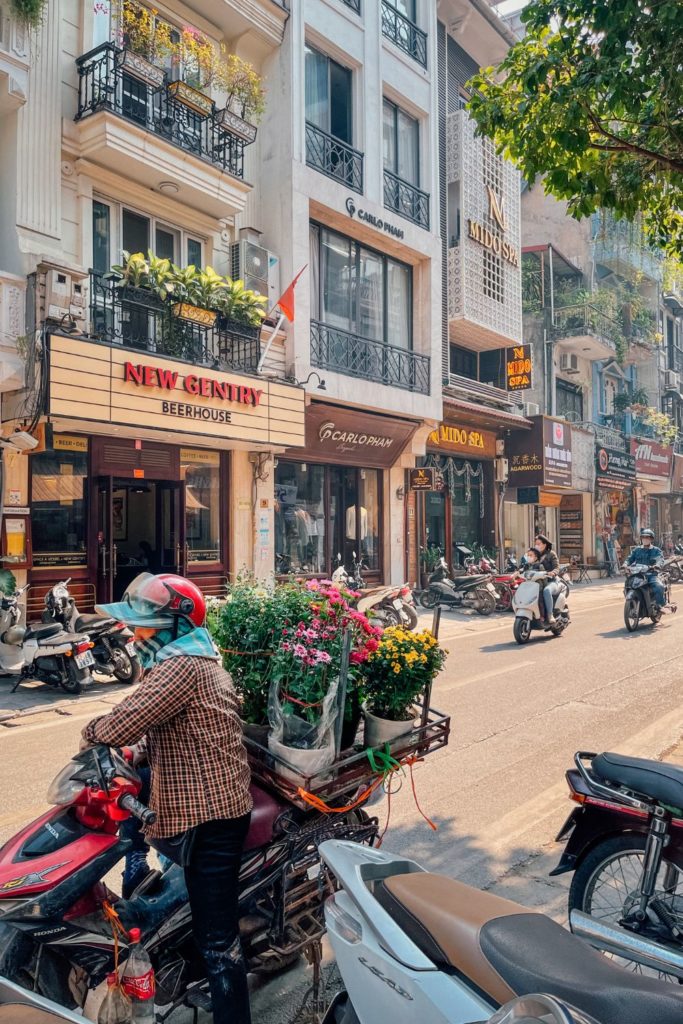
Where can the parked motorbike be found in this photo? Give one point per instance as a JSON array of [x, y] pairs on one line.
[[673, 566], [17, 1005], [624, 843], [54, 938], [384, 606], [466, 591], [42, 651], [639, 599], [506, 583], [414, 946], [528, 609], [114, 649]]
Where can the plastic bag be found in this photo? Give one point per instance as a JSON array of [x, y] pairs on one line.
[[307, 746]]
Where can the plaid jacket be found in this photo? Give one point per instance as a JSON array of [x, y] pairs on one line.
[[187, 709]]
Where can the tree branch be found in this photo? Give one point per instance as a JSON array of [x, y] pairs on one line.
[[631, 147]]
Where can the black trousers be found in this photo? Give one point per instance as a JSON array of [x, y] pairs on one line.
[[212, 880]]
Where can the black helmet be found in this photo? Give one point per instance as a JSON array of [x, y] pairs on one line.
[[647, 533]]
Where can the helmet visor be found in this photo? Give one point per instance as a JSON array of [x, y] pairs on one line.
[[143, 604]]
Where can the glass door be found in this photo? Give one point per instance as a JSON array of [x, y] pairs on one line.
[[172, 551], [106, 547]]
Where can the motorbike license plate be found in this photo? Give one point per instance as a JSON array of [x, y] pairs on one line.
[[84, 660], [398, 605], [130, 649]]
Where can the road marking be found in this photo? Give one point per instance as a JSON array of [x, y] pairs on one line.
[[486, 675], [21, 730]]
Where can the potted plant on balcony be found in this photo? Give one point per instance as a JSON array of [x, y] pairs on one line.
[[193, 293], [196, 55], [245, 98], [241, 309], [394, 677], [144, 39]]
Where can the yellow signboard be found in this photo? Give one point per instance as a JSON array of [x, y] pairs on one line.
[[70, 443], [199, 457]]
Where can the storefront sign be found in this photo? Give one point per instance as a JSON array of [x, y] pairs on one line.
[[70, 443], [677, 475], [340, 435], [422, 479], [614, 469], [99, 385], [199, 457], [542, 455], [652, 459], [518, 368], [375, 222], [495, 243], [452, 437], [571, 527]]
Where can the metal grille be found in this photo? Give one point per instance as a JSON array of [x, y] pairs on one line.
[[353, 4], [104, 84], [334, 158], [334, 349], [493, 276], [404, 33], [137, 319], [407, 200]]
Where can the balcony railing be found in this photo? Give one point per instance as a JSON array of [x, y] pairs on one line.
[[334, 158], [609, 437], [404, 33], [576, 320], [105, 84], [350, 354], [353, 4], [475, 391], [407, 200], [136, 319]]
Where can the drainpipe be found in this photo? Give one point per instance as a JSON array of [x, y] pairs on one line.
[[551, 354]]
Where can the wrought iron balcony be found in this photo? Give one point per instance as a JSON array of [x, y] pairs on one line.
[[407, 200], [105, 84], [136, 318], [354, 356], [404, 33], [334, 158]]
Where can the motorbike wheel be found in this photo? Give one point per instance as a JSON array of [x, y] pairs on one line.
[[411, 615], [605, 885], [428, 599], [73, 679], [522, 630], [487, 602], [504, 603], [674, 574], [390, 617], [632, 614], [126, 669]]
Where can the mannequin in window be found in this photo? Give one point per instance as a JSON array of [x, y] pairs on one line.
[[351, 523]]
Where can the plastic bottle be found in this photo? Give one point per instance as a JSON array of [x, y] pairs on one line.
[[138, 980], [116, 1007]]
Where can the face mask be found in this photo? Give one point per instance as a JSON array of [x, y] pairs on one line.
[[148, 649]]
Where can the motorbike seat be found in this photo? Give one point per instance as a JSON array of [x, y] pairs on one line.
[[654, 779], [508, 951], [42, 630], [86, 622], [20, 1013], [265, 812]]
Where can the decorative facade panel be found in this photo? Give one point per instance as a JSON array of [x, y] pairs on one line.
[[485, 308]]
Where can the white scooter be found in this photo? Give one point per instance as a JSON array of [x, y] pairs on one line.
[[42, 651], [417, 947], [529, 612]]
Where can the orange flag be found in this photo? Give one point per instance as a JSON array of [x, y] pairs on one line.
[[286, 300]]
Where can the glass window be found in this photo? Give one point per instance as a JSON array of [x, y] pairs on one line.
[[166, 242], [399, 279], [338, 270], [569, 400], [202, 475], [135, 232], [466, 521], [328, 95], [194, 252], [368, 496], [435, 519], [463, 362], [401, 143], [299, 518], [406, 7], [58, 505], [370, 320], [101, 237]]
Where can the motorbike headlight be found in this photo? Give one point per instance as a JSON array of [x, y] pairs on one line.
[[64, 789]]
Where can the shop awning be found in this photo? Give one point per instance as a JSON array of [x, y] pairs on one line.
[[487, 417]]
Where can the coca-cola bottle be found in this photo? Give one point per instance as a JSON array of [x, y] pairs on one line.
[[116, 1007], [138, 980]]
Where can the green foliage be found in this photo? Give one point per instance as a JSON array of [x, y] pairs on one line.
[[429, 558], [241, 304], [396, 674], [8, 583], [29, 11], [591, 100], [532, 283]]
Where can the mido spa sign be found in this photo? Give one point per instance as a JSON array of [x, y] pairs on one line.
[[484, 236]]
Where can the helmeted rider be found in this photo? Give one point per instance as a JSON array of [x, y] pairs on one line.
[[647, 553], [186, 712]]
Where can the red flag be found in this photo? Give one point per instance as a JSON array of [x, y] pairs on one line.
[[286, 300]]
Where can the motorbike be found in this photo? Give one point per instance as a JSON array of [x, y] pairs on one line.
[[18, 1005], [526, 604], [54, 937], [114, 649], [639, 600], [466, 591], [414, 946], [673, 566], [624, 845], [506, 583], [384, 606], [43, 651]]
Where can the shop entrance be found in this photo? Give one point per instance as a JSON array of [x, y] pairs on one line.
[[140, 528]]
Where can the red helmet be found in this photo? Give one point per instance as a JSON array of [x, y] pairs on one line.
[[154, 601], [186, 599]]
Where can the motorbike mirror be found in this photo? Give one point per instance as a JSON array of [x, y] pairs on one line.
[[355, 555]]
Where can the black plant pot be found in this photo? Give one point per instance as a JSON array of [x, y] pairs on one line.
[[352, 719]]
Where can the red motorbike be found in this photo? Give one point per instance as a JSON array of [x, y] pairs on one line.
[[506, 583], [56, 936]]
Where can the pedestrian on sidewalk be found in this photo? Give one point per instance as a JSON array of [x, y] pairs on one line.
[[186, 712]]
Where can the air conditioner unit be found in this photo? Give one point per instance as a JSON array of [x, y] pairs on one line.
[[569, 363], [258, 268], [672, 381], [532, 409]]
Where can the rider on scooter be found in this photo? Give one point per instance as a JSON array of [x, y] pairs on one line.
[[551, 565], [647, 553]]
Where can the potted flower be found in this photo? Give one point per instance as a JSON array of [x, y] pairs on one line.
[[245, 100], [429, 559], [394, 677], [144, 39], [240, 307], [197, 56], [193, 292]]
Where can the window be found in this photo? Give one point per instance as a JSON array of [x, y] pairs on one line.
[[463, 362], [401, 134], [194, 252], [58, 503], [359, 290], [201, 471], [117, 228], [493, 276], [404, 7], [328, 95], [299, 518], [569, 401], [101, 236]]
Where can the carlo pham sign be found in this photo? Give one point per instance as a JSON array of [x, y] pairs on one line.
[[518, 367]]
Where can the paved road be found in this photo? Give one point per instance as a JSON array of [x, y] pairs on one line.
[[518, 714]]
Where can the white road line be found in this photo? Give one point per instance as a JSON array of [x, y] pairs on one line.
[[506, 670]]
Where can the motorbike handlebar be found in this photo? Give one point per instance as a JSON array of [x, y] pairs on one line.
[[145, 814]]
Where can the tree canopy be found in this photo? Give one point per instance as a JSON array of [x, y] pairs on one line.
[[591, 99]]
